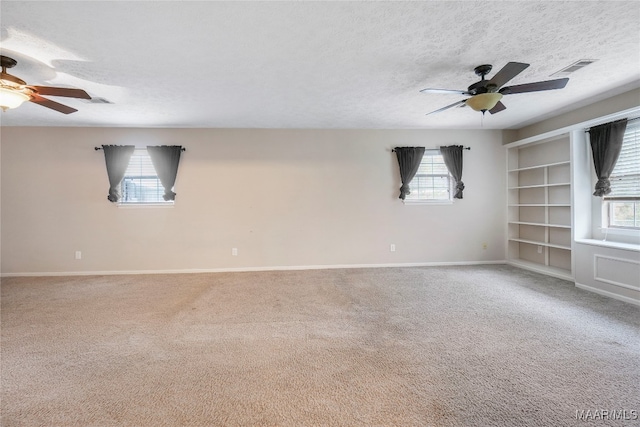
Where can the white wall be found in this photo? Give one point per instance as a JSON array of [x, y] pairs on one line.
[[609, 270], [284, 198]]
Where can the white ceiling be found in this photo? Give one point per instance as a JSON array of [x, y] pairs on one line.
[[311, 64]]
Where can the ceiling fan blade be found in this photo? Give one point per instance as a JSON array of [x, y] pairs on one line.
[[508, 72], [457, 92], [51, 104], [535, 87], [455, 104], [61, 91], [499, 107]]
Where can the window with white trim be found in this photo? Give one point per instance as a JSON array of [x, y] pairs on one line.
[[141, 184], [432, 182], [622, 205]]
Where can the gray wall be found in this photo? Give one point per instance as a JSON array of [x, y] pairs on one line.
[[284, 198]]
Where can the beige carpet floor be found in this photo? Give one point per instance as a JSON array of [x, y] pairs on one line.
[[441, 346]]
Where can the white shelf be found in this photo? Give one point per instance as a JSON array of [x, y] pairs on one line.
[[547, 165], [539, 207], [536, 243], [524, 187], [550, 205], [540, 224], [549, 270]]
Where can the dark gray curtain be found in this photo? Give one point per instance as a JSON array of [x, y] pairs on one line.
[[409, 159], [452, 156], [117, 159], [606, 143], [165, 159]]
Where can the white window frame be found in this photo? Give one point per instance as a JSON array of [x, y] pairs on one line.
[[143, 154], [628, 165], [413, 199]]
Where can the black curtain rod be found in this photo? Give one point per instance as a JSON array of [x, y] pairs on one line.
[[100, 148], [464, 148], [628, 120]]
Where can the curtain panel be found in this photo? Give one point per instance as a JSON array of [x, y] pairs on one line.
[[116, 158], [452, 156], [165, 159], [409, 159], [606, 143]]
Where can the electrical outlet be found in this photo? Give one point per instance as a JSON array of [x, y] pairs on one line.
[[392, 247], [234, 251], [539, 249], [78, 255]]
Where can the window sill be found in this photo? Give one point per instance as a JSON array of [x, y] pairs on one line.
[[428, 202], [621, 232], [608, 244], [145, 205]]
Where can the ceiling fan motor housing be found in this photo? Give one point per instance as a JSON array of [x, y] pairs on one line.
[[483, 85]]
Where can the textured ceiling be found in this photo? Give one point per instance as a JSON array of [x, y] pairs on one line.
[[311, 64]]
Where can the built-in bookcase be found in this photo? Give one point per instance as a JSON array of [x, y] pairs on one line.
[[539, 206]]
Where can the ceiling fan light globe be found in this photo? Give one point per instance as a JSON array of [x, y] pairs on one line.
[[484, 101], [10, 98]]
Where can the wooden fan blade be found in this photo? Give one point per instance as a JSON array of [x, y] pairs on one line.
[[499, 107], [535, 87], [457, 92], [51, 104], [448, 106], [508, 72], [61, 91]]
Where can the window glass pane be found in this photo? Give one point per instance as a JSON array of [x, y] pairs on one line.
[[141, 183], [427, 187], [625, 177], [432, 181], [432, 164], [624, 214], [144, 189], [624, 205]]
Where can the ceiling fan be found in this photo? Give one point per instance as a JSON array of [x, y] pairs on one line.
[[14, 91], [486, 94]]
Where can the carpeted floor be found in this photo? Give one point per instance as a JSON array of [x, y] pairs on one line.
[[440, 346]]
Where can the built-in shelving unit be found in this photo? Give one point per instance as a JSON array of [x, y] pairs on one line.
[[539, 206]]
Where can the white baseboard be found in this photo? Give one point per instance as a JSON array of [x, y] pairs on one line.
[[608, 294], [247, 269]]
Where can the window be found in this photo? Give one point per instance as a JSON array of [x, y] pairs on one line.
[[623, 203], [624, 214], [141, 184], [432, 182]]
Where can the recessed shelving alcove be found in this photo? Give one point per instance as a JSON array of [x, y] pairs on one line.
[[539, 206]]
